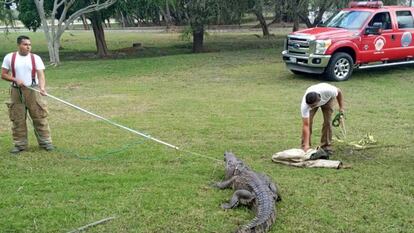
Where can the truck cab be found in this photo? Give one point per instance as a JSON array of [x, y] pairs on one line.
[[364, 35]]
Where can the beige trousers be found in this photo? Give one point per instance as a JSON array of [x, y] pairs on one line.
[[327, 111], [24, 100]]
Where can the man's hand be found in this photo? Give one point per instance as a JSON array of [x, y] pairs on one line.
[[305, 134], [19, 83], [43, 92]]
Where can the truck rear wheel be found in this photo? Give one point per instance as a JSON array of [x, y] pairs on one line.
[[340, 67]]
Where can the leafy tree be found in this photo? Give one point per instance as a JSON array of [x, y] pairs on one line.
[[319, 7], [28, 14], [280, 11], [165, 9], [141, 11], [7, 13], [299, 10], [64, 12], [97, 18], [257, 7], [30, 18], [200, 13], [123, 12]]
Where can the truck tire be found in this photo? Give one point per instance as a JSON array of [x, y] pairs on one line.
[[340, 67]]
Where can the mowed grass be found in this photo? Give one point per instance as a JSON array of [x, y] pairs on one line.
[[239, 98]]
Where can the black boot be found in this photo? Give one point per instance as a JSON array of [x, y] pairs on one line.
[[320, 154], [48, 147], [17, 149]]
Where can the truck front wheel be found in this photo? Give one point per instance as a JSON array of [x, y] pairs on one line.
[[340, 67]]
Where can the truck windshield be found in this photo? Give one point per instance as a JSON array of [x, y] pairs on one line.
[[347, 19]]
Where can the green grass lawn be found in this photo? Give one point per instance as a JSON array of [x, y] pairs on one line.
[[239, 97]]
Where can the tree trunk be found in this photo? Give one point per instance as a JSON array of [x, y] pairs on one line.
[[55, 31], [295, 21], [295, 24], [262, 22], [198, 39], [50, 48], [56, 46], [53, 45], [99, 33], [279, 7], [166, 14], [126, 20], [85, 22], [307, 21], [123, 20]]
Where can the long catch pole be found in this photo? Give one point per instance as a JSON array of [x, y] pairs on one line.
[[107, 120]]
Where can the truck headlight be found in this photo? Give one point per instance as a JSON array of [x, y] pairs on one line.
[[322, 46]]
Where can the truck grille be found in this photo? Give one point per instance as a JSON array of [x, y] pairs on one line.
[[298, 45]]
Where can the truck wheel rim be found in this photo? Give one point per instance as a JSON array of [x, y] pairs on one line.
[[342, 68]]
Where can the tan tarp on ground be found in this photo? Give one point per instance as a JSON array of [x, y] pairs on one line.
[[298, 158]]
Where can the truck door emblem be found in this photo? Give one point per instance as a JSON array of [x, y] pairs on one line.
[[406, 39], [379, 43]]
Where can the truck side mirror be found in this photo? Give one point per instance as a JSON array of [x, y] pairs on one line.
[[375, 29]]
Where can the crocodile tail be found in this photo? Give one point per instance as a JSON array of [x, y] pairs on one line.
[[260, 224]]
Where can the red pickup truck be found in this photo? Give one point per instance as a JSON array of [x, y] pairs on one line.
[[364, 35]]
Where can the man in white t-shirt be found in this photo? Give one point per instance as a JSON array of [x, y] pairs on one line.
[[322, 96], [22, 69]]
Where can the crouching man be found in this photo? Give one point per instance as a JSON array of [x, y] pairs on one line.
[[321, 96]]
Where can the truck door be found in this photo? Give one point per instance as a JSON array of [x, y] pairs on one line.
[[379, 47], [404, 34]]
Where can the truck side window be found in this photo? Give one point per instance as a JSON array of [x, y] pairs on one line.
[[405, 19], [383, 18]]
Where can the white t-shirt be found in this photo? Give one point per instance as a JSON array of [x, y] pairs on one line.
[[23, 67], [326, 91]]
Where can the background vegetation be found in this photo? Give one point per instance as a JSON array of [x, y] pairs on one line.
[[237, 97]]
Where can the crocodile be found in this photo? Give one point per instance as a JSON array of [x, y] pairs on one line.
[[253, 189]]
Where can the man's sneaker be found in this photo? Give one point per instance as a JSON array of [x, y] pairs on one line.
[[48, 147], [16, 150]]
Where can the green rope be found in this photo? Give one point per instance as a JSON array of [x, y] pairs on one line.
[[337, 119], [71, 153], [123, 127]]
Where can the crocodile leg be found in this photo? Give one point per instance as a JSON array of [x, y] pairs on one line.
[[275, 190], [226, 183], [272, 186], [242, 195]]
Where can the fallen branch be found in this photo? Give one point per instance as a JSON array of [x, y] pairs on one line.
[[91, 225]]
